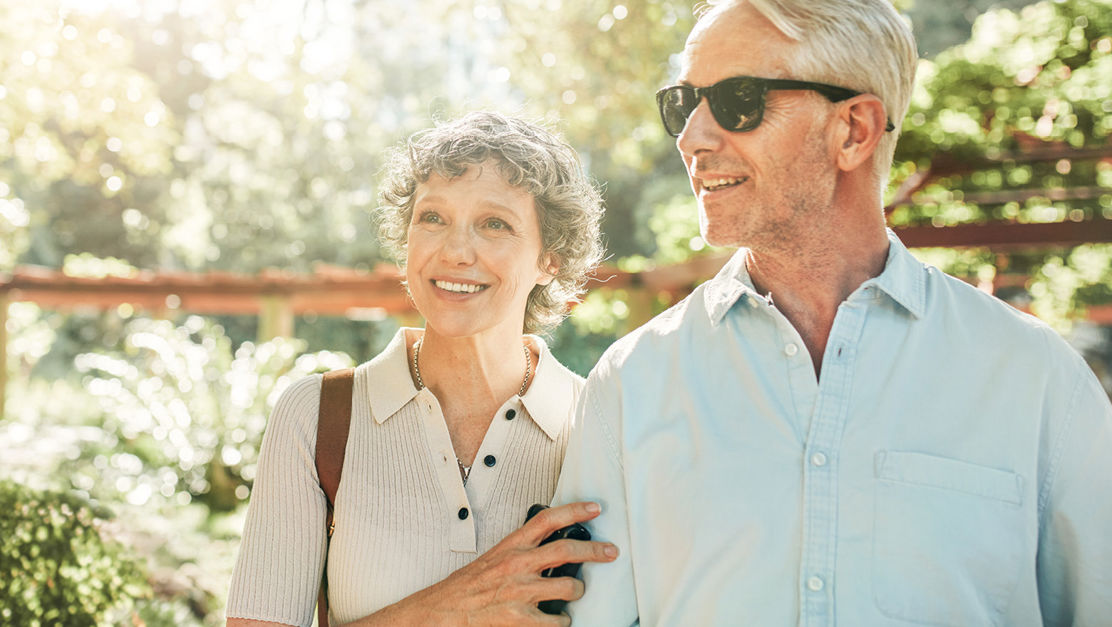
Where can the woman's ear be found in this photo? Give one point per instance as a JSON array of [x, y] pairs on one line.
[[548, 266], [864, 123]]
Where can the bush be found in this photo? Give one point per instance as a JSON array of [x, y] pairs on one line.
[[57, 567]]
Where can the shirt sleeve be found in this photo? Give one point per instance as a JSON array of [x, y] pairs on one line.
[[592, 471], [277, 574], [1075, 538]]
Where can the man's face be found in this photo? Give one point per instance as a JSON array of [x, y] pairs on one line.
[[763, 187]]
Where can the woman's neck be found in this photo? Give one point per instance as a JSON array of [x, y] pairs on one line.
[[471, 378], [477, 370]]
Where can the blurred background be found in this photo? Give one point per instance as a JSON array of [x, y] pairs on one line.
[[184, 230]]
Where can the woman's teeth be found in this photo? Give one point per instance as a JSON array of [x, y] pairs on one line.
[[465, 288], [716, 184]]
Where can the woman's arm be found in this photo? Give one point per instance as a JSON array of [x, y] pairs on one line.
[[504, 585], [281, 557]]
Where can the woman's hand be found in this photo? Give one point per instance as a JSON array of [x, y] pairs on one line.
[[504, 585]]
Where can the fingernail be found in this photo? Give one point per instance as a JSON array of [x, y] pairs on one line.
[[593, 508], [611, 551]]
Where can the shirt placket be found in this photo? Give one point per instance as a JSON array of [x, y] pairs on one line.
[[820, 466], [490, 458], [457, 511]]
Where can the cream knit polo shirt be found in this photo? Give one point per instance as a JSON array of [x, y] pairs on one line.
[[404, 519]]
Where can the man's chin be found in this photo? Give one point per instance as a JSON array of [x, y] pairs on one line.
[[720, 239]]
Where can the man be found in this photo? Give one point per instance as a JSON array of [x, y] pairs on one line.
[[829, 432]]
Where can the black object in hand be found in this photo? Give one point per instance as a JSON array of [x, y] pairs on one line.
[[574, 531]]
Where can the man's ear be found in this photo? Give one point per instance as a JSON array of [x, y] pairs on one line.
[[549, 266], [863, 124]]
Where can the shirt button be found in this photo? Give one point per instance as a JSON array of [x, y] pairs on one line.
[[463, 514], [791, 349], [815, 584], [489, 460], [818, 459], [510, 414]]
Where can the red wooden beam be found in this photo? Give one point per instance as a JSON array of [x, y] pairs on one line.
[[1004, 236]]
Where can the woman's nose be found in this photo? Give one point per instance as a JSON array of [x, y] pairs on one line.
[[459, 246]]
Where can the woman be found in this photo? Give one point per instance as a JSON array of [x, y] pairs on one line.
[[456, 428]]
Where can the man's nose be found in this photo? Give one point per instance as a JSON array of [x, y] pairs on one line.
[[701, 132]]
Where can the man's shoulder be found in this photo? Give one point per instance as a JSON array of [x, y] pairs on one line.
[[661, 335], [988, 317]]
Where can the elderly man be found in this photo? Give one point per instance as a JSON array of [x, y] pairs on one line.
[[830, 432]]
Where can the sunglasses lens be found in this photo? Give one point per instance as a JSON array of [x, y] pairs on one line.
[[737, 104], [676, 105]]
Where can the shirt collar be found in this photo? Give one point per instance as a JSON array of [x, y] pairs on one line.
[[548, 400], [550, 397], [903, 280], [731, 282], [391, 384]]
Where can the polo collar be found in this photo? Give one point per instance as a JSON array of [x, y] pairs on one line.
[[550, 397], [548, 400], [903, 280], [390, 384]]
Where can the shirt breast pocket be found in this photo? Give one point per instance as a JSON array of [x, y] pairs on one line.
[[947, 539]]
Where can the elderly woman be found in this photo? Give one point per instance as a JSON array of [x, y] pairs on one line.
[[456, 428]]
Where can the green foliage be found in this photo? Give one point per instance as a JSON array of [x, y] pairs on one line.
[[182, 413], [58, 565], [1036, 80], [941, 25], [1066, 284], [1040, 76], [14, 234], [165, 424]]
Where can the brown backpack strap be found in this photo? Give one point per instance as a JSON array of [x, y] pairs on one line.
[[333, 423]]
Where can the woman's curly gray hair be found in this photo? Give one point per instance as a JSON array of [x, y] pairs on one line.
[[569, 207]]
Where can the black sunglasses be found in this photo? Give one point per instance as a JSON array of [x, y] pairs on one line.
[[737, 103]]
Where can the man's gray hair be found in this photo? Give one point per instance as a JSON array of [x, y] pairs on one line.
[[530, 157], [860, 44]]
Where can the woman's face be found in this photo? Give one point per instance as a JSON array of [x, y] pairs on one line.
[[473, 253]]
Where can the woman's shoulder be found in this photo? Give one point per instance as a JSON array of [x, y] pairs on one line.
[[301, 392], [295, 411]]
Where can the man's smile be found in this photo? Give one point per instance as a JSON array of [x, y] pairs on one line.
[[712, 185]]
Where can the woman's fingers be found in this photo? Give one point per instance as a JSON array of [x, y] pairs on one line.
[[563, 588], [572, 552], [549, 589], [551, 519]]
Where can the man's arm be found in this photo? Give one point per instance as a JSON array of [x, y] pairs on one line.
[[593, 471], [1075, 536]]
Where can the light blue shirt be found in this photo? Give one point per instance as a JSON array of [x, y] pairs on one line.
[[952, 465]]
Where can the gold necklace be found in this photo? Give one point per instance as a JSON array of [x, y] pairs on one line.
[[465, 471], [524, 382]]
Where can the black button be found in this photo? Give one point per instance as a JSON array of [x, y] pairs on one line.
[[510, 414], [463, 513], [489, 461]]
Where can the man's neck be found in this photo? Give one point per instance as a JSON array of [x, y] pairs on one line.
[[810, 282]]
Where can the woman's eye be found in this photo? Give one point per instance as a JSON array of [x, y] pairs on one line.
[[497, 224], [429, 217]]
